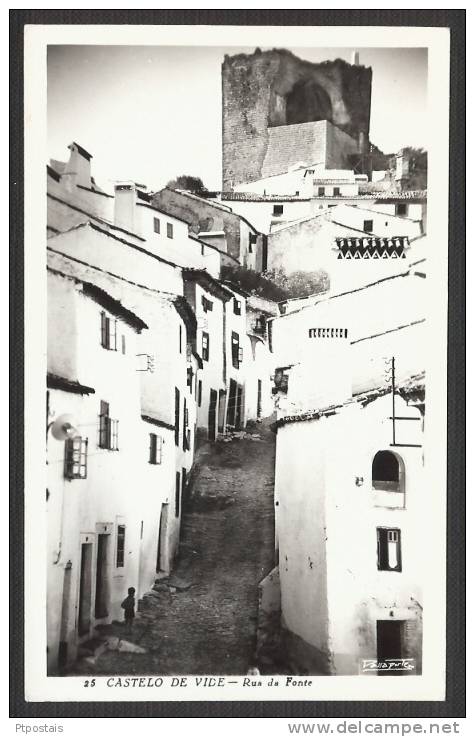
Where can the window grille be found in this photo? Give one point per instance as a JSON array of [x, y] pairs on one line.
[[75, 458]]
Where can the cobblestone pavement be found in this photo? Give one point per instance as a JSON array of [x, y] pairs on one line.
[[227, 547]]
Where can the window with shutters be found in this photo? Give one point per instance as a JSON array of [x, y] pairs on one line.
[[207, 304], [108, 332], [120, 547], [389, 549], [155, 449], [185, 445], [205, 346], [177, 494], [75, 458], [177, 416], [108, 429], [236, 350]]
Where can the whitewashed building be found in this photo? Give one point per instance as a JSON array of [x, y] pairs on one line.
[[96, 498], [350, 480]]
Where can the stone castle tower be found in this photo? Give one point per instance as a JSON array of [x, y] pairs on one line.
[[266, 91]]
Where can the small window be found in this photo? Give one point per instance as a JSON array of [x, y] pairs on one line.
[[75, 458], [108, 429], [189, 378], [368, 226], [401, 209], [237, 307], [278, 210], [336, 191], [205, 347], [123, 343], [156, 225], [185, 426], [120, 553], [177, 494], [108, 332], [252, 241], [389, 549], [200, 392], [236, 351], [169, 230], [155, 449], [321, 192], [207, 304], [177, 416], [387, 471]]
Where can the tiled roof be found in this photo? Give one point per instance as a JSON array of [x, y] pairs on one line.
[[205, 280], [53, 381], [254, 197], [414, 384], [153, 420], [104, 299]]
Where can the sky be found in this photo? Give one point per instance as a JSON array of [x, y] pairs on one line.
[[150, 113]]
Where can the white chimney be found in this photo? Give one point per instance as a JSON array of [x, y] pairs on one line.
[[79, 165], [125, 206], [355, 58]]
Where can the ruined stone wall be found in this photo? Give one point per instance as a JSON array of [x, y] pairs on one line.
[[274, 88]]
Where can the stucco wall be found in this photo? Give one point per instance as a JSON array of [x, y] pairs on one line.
[[302, 557], [332, 592]]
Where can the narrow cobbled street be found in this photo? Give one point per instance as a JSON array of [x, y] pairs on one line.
[[203, 618]]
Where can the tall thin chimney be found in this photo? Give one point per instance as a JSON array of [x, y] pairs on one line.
[[355, 58], [79, 164]]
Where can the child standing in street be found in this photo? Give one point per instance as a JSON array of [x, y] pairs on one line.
[[128, 605]]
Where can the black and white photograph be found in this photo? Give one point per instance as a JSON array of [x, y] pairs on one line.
[[237, 299]]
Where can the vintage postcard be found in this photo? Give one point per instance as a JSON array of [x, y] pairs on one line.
[[236, 331]]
